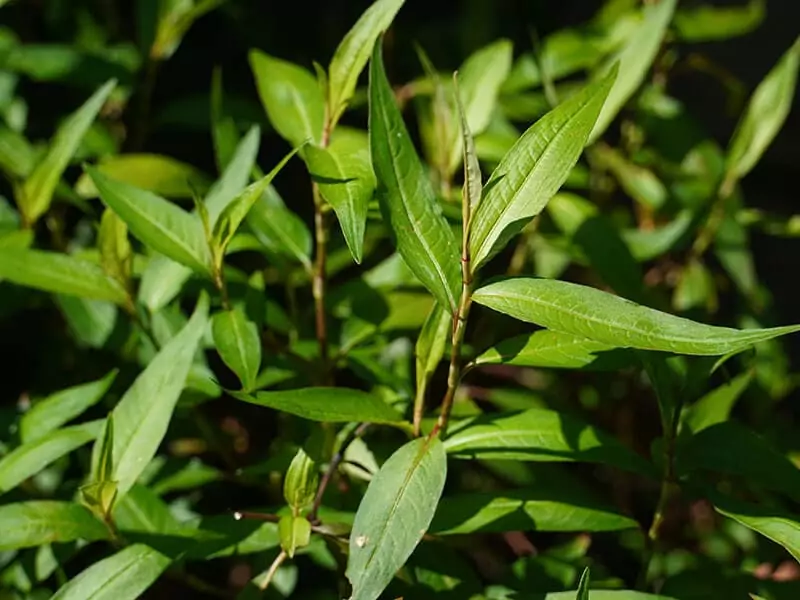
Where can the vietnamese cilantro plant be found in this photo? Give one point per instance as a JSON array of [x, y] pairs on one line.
[[462, 377]]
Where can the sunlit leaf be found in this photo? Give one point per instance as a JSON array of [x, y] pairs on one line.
[[37, 522], [715, 407], [238, 344]]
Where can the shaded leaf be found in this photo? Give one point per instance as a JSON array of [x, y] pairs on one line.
[[715, 407], [37, 522], [706, 23], [238, 344], [280, 230], [583, 585], [431, 344]]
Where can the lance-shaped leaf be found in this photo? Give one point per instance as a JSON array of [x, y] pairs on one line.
[[473, 182], [37, 190], [281, 231], [635, 59], [116, 254], [597, 315], [534, 169], [158, 223], [353, 53], [59, 273], [29, 524], [765, 114], [291, 96], [394, 515], [540, 435], [715, 407], [705, 23], [238, 344], [125, 575], [343, 172], [583, 585], [142, 415], [431, 345], [332, 405], [423, 237]]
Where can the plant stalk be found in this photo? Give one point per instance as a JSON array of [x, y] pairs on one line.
[[318, 283], [715, 217], [273, 568]]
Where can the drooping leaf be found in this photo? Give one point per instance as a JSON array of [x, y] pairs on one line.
[[238, 344], [91, 322], [60, 274], [534, 169], [394, 514], [37, 522], [343, 172], [768, 108], [540, 435], [423, 237], [280, 230], [715, 407], [59, 408], [37, 190], [597, 315], [646, 245], [143, 413], [158, 223], [706, 23], [525, 510], [125, 575], [291, 96], [332, 405], [353, 53], [635, 59]]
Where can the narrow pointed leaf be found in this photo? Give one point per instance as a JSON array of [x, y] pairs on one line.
[[715, 407], [597, 315], [583, 585], [332, 405], [37, 191], [158, 223], [60, 274], [61, 407], [280, 230], [238, 344], [765, 114], [473, 183], [706, 23], [353, 53], [635, 60], [29, 524], [394, 515], [533, 170], [125, 575], [431, 344], [409, 205], [142, 415]]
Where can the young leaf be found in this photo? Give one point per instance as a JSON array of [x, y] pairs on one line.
[[343, 172], [125, 575], [158, 223], [540, 435], [534, 169], [37, 522], [583, 585], [61, 407], [353, 53], [295, 533], [715, 407], [300, 485], [36, 192], [330, 405], [59, 273], [765, 114], [143, 414], [473, 183], [238, 344], [635, 59], [423, 237], [597, 315], [116, 255], [525, 510], [291, 96], [30, 458], [394, 514]]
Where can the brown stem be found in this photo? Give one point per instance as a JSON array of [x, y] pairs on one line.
[[222, 285]]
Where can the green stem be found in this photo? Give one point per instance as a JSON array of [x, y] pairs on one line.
[[263, 585], [715, 217]]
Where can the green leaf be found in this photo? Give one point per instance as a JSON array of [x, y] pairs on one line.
[[280, 230], [540, 435], [238, 344], [765, 114], [37, 190], [638, 182], [715, 407], [61, 407], [473, 182], [708, 23], [646, 245], [17, 156], [597, 315], [431, 345], [91, 322], [123, 576], [343, 172], [155, 173], [142, 511], [30, 458], [353, 53], [331, 405], [143, 414], [533, 170], [291, 96], [295, 532], [59, 273], [29, 524], [394, 514], [696, 288], [158, 223], [409, 205], [583, 585], [555, 350], [607, 595], [300, 485], [525, 510], [635, 59]]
